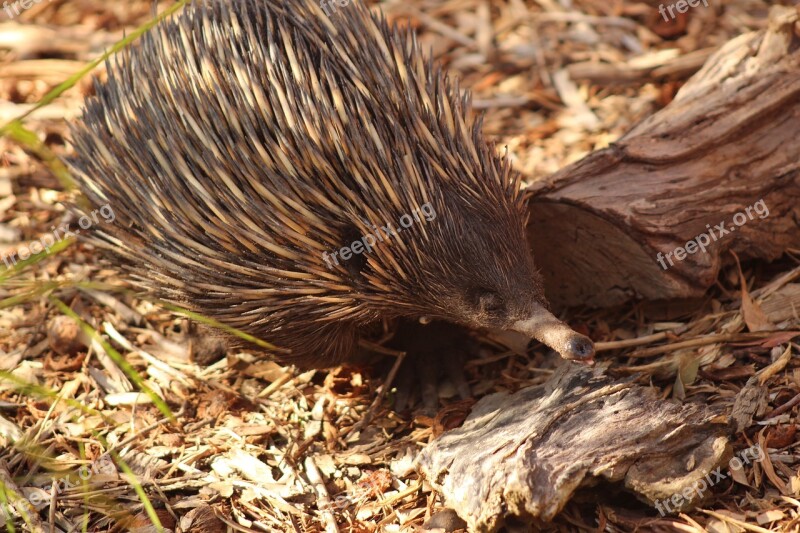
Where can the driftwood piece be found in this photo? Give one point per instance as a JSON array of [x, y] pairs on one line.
[[526, 453], [729, 140]]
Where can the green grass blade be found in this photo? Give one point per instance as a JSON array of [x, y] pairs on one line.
[[134, 481], [116, 357], [72, 80], [219, 325], [32, 260], [19, 133], [27, 389], [28, 296]]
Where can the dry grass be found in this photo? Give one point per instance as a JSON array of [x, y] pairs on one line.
[[249, 445]]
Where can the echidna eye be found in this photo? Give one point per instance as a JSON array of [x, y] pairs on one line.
[[491, 303], [487, 301]]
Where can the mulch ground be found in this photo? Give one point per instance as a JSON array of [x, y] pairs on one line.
[[253, 446]]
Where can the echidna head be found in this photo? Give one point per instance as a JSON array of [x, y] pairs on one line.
[[478, 270], [504, 291]]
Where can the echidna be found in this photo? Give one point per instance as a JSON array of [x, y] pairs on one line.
[[249, 147]]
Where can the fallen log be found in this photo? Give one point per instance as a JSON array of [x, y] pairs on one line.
[[654, 215], [525, 454]]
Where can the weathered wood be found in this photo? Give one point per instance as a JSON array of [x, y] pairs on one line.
[[525, 454], [730, 139]]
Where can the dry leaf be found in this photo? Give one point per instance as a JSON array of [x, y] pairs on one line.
[[754, 317]]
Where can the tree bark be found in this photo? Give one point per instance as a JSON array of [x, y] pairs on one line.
[[525, 454], [728, 143]]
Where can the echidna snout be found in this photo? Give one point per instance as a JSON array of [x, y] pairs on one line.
[[515, 302], [545, 327]]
